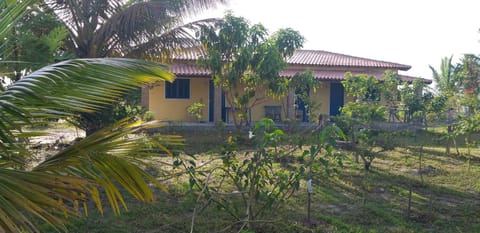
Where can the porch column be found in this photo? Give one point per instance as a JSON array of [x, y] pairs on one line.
[[291, 104], [144, 100], [217, 105]]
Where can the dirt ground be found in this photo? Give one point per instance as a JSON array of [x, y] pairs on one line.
[[63, 135]]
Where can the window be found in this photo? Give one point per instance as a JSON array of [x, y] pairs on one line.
[[179, 89]]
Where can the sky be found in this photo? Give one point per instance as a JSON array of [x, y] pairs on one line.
[[418, 33]]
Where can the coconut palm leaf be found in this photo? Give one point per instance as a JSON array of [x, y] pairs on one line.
[[79, 173], [175, 40], [112, 157], [62, 89], [25, 196], [82, 85], [10, 12], [57, 188], [108, 28]]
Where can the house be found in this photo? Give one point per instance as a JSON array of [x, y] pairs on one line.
[[169, 101]]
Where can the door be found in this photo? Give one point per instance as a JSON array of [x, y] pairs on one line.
[[302, 108], [336, 98]]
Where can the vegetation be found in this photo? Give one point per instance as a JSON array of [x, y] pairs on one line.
[[245, 62], [98, 168], [153, 30], [195, 110], [345, 200], [254, 184]]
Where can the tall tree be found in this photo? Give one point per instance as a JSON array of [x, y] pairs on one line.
[[243, 60], [148, 29]]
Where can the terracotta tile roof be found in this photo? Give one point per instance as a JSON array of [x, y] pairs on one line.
[[323, 58], [184, 65], [317, 58], [185, 69], [192, 70]]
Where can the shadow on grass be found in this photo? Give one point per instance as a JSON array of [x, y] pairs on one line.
[[378, 202]]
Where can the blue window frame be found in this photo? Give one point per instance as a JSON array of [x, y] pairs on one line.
[[179, 89]]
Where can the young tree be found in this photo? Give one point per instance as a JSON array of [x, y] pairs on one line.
[[243, 60], [357, 116]]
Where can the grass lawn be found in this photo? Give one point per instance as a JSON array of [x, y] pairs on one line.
[[444, 196]]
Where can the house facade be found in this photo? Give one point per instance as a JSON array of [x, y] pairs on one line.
[[170, 101]]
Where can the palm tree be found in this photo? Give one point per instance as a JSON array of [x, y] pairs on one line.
[[147, 29], [448, 81], [104, 162]]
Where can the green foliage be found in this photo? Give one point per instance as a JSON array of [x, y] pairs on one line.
[[362, 88], [414, 100], [357, 116], [366, 90], [390, 91], [38, 39], [364, 113], [254, 175], [90, 171], [259, 184], [152, 30], [303, 84], [321, 155], [436, 107], [471, 75], [195, 110], [126, 106], [468, 125], [242, 58], [449, 81]]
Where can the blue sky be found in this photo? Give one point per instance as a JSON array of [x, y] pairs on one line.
[[412, 32]]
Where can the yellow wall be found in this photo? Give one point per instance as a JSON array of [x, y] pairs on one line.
[[258, 111], [321, 99], [176, 109]]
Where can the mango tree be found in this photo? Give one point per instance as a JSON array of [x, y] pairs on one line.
[[245, 62]]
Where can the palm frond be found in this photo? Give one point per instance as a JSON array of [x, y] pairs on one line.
[[82, 85], [112, 157], [28, 195], [11, 11], [186, 8], [60, 90], [175, 40], [133, 24]]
